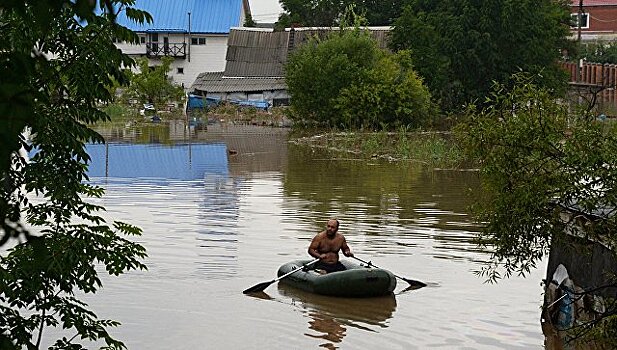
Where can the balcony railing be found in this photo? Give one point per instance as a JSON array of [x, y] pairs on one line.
[[163, 49]]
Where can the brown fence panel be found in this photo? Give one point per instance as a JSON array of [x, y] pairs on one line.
[[593, 77]]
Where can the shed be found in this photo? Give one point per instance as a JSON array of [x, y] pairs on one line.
[[255, 63]]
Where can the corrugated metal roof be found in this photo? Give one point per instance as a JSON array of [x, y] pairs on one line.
[[256, 53], [216, 82], [207, 16], [262, 53]]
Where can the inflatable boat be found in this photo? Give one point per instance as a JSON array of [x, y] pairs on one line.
[[357, 281]]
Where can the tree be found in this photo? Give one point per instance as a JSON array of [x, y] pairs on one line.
[[347, 81], [461, 47], [58, 60], [390, 94], [328, 13], [535, 157], [249, 22], [152, 85], [313, 13], [605, 53], [381, 12]]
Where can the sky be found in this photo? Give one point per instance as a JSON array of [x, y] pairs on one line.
[[265, 11]]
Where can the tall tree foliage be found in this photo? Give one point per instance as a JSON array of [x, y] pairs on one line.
[[327, 13], [58, 60], [461, 47], [537, 157], [390, 94], [347, 81], [312, 13], [600, 52], [152, 85]]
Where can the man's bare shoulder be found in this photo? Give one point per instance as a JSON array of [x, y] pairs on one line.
[[320, 235]]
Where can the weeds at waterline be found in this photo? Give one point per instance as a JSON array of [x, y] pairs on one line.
[[432, 149]]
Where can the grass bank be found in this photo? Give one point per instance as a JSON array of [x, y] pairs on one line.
[[432, 149], [122, 114]]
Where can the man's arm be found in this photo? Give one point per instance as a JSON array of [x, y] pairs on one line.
[[312, 250], [345, 248]]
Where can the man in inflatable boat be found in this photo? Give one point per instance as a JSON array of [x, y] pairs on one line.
[[326, 245]]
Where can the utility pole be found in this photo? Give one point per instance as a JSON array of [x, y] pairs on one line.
[[580, 19], [192, 39]]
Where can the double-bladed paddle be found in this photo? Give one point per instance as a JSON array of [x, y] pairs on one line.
[[263, 285], [411, 282]]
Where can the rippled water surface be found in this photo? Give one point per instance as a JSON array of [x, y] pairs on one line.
[[222, 212]]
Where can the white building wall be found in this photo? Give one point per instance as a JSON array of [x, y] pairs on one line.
[[132, 49], [203, 58], [209, 57]]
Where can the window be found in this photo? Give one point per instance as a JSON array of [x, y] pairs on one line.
[[142, 39], [154, 36], [584, 20], [180, 70], [198, 41]]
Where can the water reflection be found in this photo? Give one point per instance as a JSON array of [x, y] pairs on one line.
[[330, 329], [164, 133], [193, 184], [216, 222], [217, 237], [380, 203], [329, 317]]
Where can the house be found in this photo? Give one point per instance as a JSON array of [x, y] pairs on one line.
[[193, 32], [255, 64], [598, 19]]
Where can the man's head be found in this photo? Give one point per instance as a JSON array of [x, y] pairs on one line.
[[332, 227]]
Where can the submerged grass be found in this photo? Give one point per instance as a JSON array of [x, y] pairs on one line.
[[119, 115], [433, 149]]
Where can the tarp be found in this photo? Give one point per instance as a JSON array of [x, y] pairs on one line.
[[197, 102], [259, 104]]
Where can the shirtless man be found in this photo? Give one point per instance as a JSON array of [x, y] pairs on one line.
[[326, 245]]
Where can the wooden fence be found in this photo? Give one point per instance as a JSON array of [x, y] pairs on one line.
[[587, 79]]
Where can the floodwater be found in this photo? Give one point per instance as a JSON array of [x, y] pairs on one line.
[[223, 209]]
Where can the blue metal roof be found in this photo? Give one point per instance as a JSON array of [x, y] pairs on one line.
[[207, 16]]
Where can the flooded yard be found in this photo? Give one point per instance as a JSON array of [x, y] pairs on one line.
[[222, 210]]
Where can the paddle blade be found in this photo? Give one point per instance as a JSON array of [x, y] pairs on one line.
[[258, 287], [414, 283]]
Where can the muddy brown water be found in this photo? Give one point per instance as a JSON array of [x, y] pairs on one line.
[[223, 209]]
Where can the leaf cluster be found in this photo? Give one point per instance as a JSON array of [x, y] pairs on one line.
[[59, 59], [152, 84], [390, 94], [328, 13], [536, 159], [600, 52], [460, 47], [347, 81]]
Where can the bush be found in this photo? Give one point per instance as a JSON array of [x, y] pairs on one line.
[[392, 95], [347, 81]]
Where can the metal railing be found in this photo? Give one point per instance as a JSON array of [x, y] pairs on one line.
[[166, 49]]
